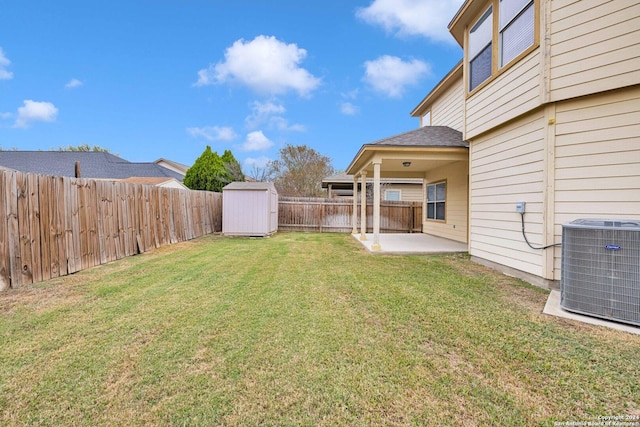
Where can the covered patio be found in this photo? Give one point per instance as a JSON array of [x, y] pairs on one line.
[[438, 156], [412, 244]]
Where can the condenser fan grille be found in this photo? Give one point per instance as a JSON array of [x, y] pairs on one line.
[[601, 269]]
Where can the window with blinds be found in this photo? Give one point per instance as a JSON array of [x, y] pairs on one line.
[[436, 199], [479, 51], [505, 30], [516, 28]]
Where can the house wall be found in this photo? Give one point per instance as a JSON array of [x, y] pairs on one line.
[[507, 165], [597, 159], [573, 159], [512, 93], [595, 46], [448, 108], [455, 227]]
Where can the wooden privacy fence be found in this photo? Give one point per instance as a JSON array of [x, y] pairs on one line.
[[53, 226], [335, 215]]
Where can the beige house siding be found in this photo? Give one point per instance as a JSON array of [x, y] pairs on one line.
[[512, 93], [448, 109], [408, 192], [507, 166], [597, 159], [595, 46], [456, 213]]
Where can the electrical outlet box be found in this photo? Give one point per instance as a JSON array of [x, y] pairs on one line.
[[520, 206]]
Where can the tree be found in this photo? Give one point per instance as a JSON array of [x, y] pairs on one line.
[[212, 172], [261, 173], [84, 147], [300, 170], [232, 167]]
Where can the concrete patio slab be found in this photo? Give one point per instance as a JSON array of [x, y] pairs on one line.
[[412, 244], [553, 308]]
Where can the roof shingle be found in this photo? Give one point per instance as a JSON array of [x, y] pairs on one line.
[[93, 164], [426, 136]]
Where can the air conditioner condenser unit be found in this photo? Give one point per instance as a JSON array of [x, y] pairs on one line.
[[601, 269]]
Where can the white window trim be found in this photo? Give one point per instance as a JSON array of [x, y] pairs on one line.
[[395, 191], [426, 214]]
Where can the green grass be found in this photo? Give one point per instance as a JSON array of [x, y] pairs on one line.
[[302, 329]]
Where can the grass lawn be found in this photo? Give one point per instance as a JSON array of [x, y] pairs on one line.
[[302, 329]]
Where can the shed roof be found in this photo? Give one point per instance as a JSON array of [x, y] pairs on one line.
[[249, 186]]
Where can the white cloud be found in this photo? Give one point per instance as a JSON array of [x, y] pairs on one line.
[[213, 133], [259, 162], [73, 83], [391, 75], [426, 18], [5, 116], [34, 111], [4, 63], [348, 109], [270, 113], [256, 141], [352, 94], [262, 111], [265, 65]]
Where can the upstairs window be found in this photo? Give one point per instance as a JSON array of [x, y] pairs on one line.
[[503, 32], [436, 199], [480, 42], [516, 28]]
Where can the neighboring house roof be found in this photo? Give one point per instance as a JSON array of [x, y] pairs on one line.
[[156, 181], [93, 164], [174, 166]]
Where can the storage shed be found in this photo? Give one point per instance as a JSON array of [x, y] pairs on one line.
[[249, 209]]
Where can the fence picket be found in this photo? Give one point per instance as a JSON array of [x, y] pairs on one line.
[[335, 215], [5, 266], [53, 226]]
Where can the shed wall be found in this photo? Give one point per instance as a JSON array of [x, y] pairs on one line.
[[249, 212]]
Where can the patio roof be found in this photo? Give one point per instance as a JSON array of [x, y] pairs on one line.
[[410, 154]]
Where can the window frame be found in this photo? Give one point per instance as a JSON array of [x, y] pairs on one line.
[[436, 202], [393, 190], [426, 115], [496, 43], [482, 19], [510, 21]]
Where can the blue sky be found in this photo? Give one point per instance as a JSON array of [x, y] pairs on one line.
[[165, 78]]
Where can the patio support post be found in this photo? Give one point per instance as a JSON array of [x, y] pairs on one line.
[[363, 206], [376, 207], [354, 213]]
